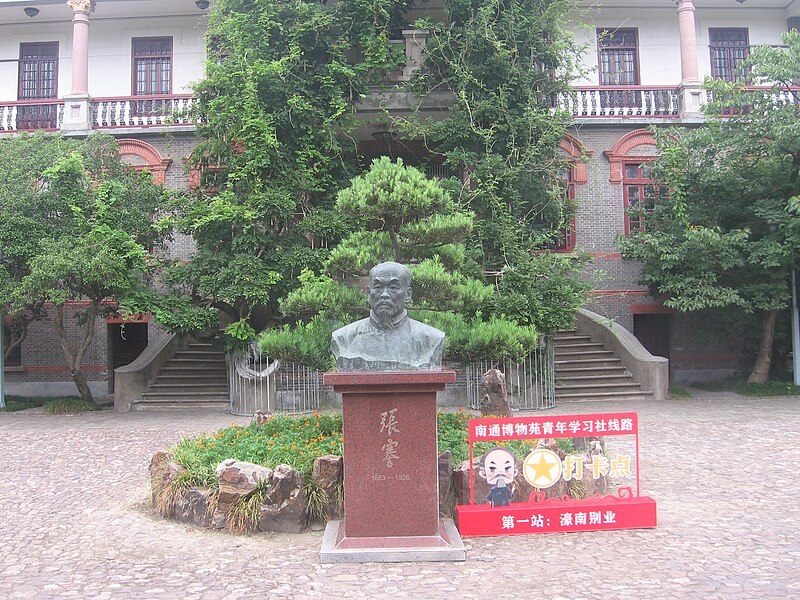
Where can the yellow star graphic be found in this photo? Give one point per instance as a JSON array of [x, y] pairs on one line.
[[539, 467]]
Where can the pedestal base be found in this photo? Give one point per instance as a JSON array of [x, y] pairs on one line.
[[447, 546]]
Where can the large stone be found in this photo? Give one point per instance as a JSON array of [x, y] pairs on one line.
[[192, 507], [283, 509], [237, 480], [327, 476], [495, 394]]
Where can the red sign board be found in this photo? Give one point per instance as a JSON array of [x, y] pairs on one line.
[[626, 510]]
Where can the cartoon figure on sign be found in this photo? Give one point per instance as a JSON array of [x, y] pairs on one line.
[[498, 467]]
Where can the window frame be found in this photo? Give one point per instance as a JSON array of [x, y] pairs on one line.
[[135, 70], [641, 182], [731, 60], [602, 33]]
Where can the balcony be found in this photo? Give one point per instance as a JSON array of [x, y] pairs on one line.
[[107, 113], [620, 102], [31, 115], [778, 97], [142, 111]]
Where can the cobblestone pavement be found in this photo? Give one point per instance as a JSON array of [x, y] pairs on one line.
[[724, 471]]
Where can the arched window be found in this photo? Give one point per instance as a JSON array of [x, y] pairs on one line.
[[144, 157]]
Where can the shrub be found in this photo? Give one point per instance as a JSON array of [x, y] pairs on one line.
[[69, 405]]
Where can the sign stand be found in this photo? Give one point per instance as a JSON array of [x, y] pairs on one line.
[[627, 510]]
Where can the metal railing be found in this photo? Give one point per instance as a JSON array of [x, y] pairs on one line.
[[31, 115], [258, 384], [531, 383], [143, 111], [619, 101]]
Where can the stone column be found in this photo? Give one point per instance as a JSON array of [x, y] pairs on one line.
[[689, 89], [78, 103]]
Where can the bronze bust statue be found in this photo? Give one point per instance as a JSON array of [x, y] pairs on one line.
[[388, 340]]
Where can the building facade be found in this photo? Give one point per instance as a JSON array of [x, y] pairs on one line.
[[126, 66]]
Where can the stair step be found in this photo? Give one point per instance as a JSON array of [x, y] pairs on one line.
[[221, 405], [592, 388], [173, 395], [200, 377], [205, 362], [587, 363], [189, 388], [624, 377], [600, 396], [184, 354]]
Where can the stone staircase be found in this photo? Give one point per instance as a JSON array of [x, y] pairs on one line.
[[194, 378], [586, 371]]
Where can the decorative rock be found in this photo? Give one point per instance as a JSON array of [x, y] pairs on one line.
[[237, 480], [495, 394], [327, 476], [192, 507], [283, 508]]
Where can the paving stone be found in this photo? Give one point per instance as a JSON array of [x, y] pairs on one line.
[[723, 470]]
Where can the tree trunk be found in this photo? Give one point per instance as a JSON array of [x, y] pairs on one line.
[[760, 372], [75, 359]]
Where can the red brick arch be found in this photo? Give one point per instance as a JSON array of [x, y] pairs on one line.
[[153, 161], [572, 146], [622, 149]]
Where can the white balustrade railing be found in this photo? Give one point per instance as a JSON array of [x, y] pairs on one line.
[[616, 101], [143, 111]]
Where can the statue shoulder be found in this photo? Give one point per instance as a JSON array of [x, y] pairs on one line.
[[350, 330], [426, 330]]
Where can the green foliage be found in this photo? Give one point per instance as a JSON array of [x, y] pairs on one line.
[[502, 62], [305, 343], [472, 338], [277, 102], [727, 234], [280, 440], [542, 290], [18, 403], [756, 390], [76, 225], [61, 406]]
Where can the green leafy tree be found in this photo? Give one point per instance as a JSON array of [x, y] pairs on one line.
[[279, 102], [76, 228], [727, 234], [403, 216], [278, 99]]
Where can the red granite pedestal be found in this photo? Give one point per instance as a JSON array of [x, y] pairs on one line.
[[391, 491]]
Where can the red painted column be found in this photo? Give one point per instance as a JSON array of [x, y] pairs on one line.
[[688, 41], [81, 9]]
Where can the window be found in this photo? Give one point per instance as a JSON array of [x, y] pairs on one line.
[[641, 195], [618, 56], [38, 80], [729, 48], [15, 358], [563, 225], [618, 60], [152, 74], [565, 240]]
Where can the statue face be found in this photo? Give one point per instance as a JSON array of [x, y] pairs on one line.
[[388, 292]]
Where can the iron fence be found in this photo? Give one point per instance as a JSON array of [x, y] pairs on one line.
[[531, 383], [258, 384]]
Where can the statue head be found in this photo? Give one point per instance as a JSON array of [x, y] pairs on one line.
[[389, 290]]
